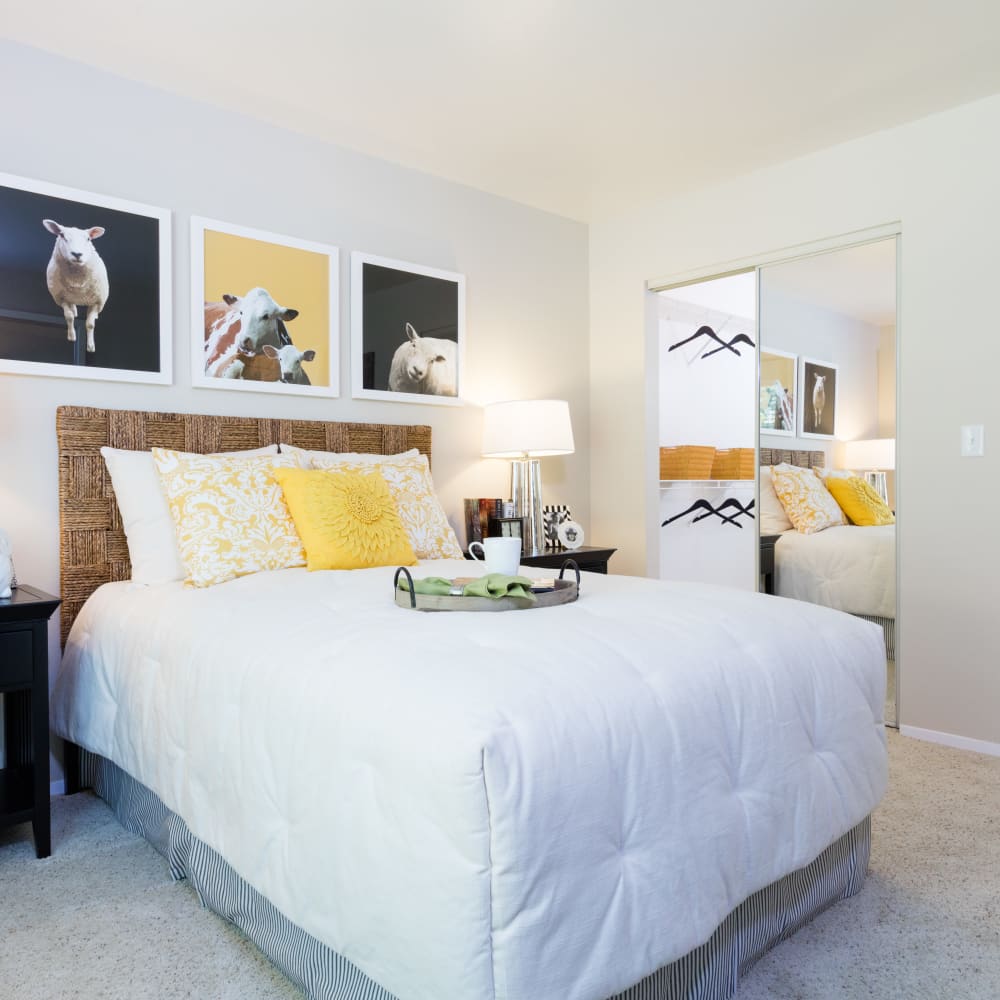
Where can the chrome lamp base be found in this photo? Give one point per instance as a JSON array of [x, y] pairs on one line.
[[526, 492], [878, 483]]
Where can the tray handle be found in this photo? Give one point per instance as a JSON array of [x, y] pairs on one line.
[[409, 580], [571, 563]]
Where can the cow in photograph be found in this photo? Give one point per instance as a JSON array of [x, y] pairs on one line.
[[76, 276], [237, 330], [819, 399], [425, 365]]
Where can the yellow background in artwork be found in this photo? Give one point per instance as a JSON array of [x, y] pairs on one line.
[[296, 279]]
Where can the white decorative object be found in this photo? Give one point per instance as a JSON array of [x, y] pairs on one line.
[[874, 458], [6, 566], [570, 534], [527, 430]]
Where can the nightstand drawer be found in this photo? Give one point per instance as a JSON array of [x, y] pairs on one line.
[[15, 659]]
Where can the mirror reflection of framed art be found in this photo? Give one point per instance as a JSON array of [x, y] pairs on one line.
[[778, 391]]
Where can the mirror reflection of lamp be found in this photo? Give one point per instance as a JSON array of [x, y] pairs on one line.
[[873, 458], [526, 430]]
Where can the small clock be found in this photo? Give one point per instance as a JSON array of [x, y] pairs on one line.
[[570, 534]]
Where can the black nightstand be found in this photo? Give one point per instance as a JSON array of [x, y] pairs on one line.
[[767, 561], [590, 558], [24, 683]]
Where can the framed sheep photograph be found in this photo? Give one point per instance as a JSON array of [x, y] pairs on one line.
[[818, 402], [84, 284], [779, 392], [407, 331], [265, 311]]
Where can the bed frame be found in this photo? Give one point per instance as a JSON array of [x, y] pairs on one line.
[[92, 546], [93, 551]]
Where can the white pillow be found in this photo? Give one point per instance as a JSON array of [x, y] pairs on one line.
[[149, 528], [305, 456], [773, 519]]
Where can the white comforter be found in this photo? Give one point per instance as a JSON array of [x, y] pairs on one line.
[[849, 568], [539, 805]]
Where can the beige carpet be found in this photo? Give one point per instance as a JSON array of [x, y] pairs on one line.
[[101, 918]]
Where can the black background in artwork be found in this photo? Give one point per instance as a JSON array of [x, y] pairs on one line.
[[391, 299], [127, 334], [828, 420]]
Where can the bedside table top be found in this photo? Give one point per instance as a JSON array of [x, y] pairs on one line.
[[27, 604]]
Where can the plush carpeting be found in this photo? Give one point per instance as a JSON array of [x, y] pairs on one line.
[[102, 919]]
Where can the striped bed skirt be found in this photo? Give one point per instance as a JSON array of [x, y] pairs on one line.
[[710, 972], [888, 631]]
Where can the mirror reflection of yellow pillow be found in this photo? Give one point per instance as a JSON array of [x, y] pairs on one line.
[[860, 502], [346, 520]]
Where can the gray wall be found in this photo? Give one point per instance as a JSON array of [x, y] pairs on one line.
[[526, 274]]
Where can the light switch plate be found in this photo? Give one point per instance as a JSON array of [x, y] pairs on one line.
[[972, 440]]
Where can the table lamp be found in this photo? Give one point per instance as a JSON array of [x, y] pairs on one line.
[[527, 430], [873, 458]]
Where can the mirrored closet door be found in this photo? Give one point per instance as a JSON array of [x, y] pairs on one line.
[[788, 367]]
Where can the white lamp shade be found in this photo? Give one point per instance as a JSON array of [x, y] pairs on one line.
[[877, 453], [532, 427]]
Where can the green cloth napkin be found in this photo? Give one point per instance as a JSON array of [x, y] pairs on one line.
[[500, 585], [492, 585]]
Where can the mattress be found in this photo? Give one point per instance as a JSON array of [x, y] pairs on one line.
[[849, 568], [542, 804]]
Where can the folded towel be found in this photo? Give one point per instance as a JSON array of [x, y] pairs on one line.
[[492, 585]]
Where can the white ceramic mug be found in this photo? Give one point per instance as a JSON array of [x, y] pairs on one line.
[[501, 554]]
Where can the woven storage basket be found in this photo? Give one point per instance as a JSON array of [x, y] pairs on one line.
[[733, 463], [686, 461]]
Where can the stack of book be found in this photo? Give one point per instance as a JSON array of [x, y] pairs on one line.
[[478, 511]]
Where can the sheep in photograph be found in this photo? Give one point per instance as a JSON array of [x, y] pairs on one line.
[[425, 365], [76, 276], [239, 328], [819, 399]]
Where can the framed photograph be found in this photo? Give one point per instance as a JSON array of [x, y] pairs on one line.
[[407, 331], [264, 312], [84, 284], [779, 391], [818, 409], [553, 517]]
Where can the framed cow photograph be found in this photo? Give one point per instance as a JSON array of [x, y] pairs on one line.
[[264, 311], [407, 331], [84, 284], [818, 399]]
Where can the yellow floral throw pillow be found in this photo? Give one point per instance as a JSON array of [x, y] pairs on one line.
[[860, 502], [411, 486], [229, 515], [346, 520], [807, 502]]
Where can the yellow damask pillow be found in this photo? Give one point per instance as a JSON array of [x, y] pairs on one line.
[[860, 502], [347, 520], [229, 515], [411, 486], [807, 502]]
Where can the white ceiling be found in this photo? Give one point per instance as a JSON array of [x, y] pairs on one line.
[[580, 107]]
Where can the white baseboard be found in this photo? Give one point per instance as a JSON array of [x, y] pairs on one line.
[[950, 740], [57, 787]]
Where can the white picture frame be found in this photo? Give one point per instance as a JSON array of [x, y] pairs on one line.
[[299, 276], [132, 329], [779, 392], [809, 370], [391, 301]]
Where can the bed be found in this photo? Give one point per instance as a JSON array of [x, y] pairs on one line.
[[848, 568], [632, 796]]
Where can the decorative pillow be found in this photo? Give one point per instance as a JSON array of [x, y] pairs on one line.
[[305, 456], [229, 514], [149, 528], [807, 502], [411, 486], [860, 502], [347, 520], [826, 474], [773, 519]]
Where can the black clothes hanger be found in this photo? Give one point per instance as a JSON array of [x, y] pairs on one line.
[[707, 331], [706, 506]]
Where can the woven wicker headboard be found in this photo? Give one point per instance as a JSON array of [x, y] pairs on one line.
[[804, 459], [92, 547]]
